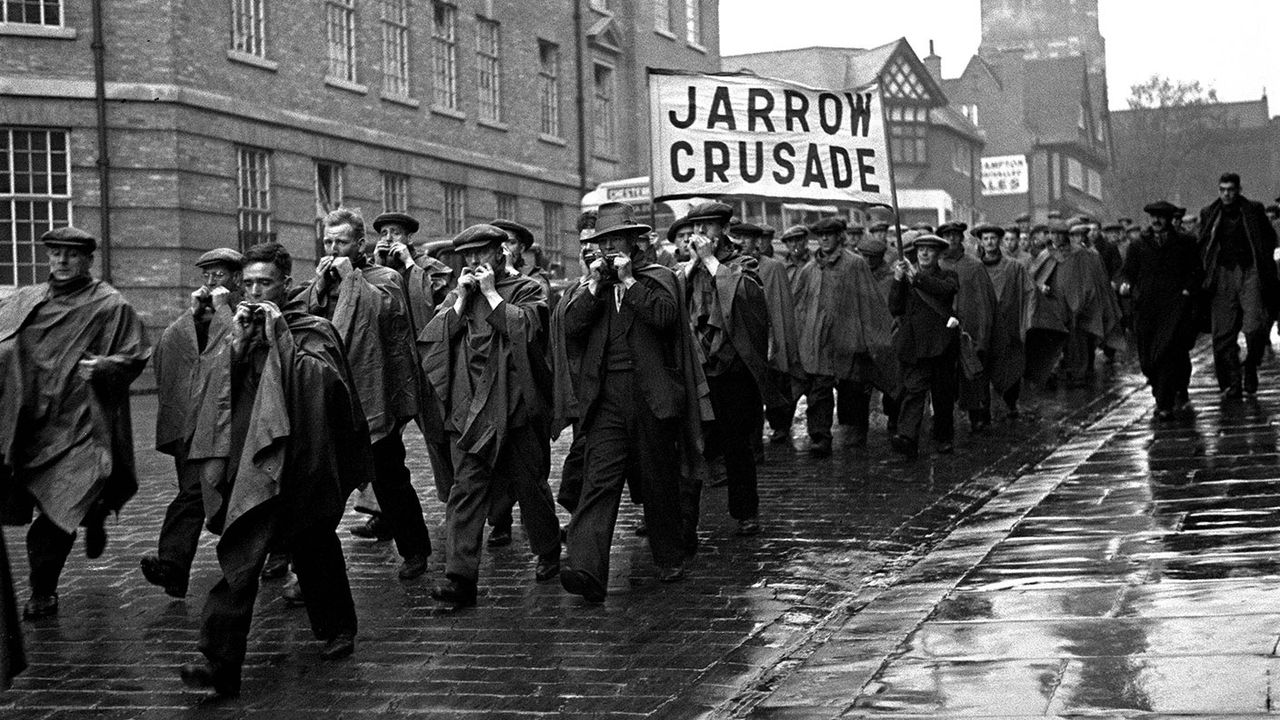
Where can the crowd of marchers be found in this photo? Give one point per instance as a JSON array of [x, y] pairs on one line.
[[671, 362]]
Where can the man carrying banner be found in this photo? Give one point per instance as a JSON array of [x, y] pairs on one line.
[[841, 320]]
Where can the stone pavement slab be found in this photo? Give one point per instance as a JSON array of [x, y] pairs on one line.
[[1131, 573]]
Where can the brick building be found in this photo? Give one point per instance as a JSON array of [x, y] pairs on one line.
[[1038, 90], [935, 149], [228, 122]]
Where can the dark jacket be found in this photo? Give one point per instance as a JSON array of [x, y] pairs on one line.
[[1158, 273], [652, 339], [1262, 239], [922, 329]]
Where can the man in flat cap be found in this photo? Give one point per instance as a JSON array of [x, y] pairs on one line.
[[485, 355], [368, 305], [279, 442], [784, 369], [1015, 298], [730, 317], [199, 335], [1162, 274], [842, 322], [796, 238], [927, 344], [678, 235], [640, 398], [69, 348], [1236, 246], [975, 306]]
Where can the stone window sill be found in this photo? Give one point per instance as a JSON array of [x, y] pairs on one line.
[[347, 85], [251, 59], [49, 32]]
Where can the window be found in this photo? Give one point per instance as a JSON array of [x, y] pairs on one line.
[[455, 208], [489, 68], [604, 129], [1075, 174], [31, 12], [247, 30], [1094, 180], [35, 197], [395, 47], [549, 87], [552, 234], [508, 206], [908, 132], [328, 188], [693, 22], [253, 217], [962, 159], [900, 81], [340, 24], [662, 16], [970, 111], [395, 192], [444, 54]]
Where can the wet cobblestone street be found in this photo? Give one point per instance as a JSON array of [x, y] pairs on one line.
[[839, 533]]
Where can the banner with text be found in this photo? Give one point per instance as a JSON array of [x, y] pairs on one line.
[[747, 135]]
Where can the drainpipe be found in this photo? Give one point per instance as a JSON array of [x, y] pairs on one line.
[[580, 100], [104, 163]]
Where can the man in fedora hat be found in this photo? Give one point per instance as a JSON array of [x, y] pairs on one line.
[[485, 356], [639, 397], [927, 344], [975, 306], [69, 348], [197, 336], [1162, 274], [842, 323], [369, 306], [730, 319]]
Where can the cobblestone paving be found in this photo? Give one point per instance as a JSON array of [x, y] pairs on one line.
[[834, 528]]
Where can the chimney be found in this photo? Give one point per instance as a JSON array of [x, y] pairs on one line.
[[934, 63]]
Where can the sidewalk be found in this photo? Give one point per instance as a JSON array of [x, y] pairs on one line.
[[1134, 572]]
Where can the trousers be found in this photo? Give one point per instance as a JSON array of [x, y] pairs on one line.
[[1236, 306], [623, 436], [183, 520], [520, 472], [735, 400], [934, 378], [397, 498]]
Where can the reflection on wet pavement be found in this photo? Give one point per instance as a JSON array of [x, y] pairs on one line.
[[1134, 572]]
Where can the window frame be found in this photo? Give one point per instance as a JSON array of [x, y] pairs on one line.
[[553, 234], [59, 207], [604, 136], [249, 27], [61, 9], [453, 209], [342, 55], [549, 100], [444, 57], [506, 206], [390, 191], [259, 217], [1075, 174], [694, 30], [489, 61], [397, 41]]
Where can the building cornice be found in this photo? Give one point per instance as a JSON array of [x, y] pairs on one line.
[[237, 108]]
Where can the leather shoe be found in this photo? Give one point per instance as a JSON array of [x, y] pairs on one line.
[[580, 582], [162, 574], [375, 528], [204, 676], [548, 566], [1250, 380], [456, 592], [749, 527], [499, 537], [671, 573], [95, 536], [412, 567], [903, 445], [40, 606], [820, 447], [341, 646], [292, 593]]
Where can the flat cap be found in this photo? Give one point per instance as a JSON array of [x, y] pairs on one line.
[[922, 227], [1058, 225], [224, 256], [1081, 229], [855, 229], [746, 229], [872, 246], [1023, 218], [1040, 227], [478, 236], [878, 226], [1180, 212], [985, 228], [1126, 221], [1013, 230], [714, 211], [1161, 207], [931, 240], [952, 227], [676, 227], [72, 237], [909, 240], [1055, 215], [408, 221], [828, 225], [769, 230], [795, 231], [1112, 226], [521, 233]]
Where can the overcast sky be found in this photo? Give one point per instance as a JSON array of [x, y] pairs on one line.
[[1231, 45]]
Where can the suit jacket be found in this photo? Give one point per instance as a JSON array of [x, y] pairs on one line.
[[651, 337]]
